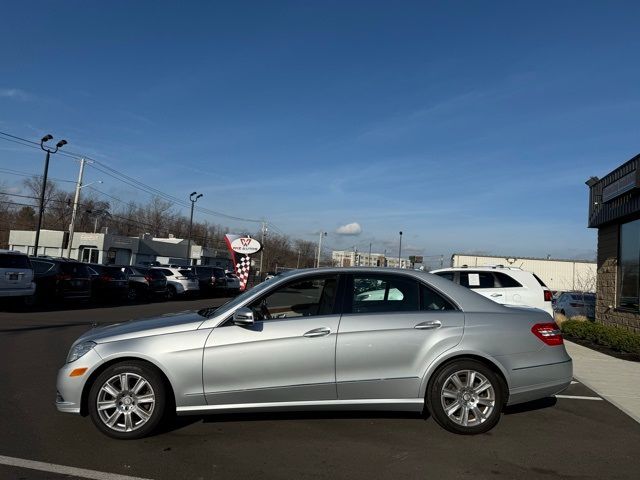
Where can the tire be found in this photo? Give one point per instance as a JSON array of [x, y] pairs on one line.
[[132, 294], [171, 292], [135, 418], [481, 405]]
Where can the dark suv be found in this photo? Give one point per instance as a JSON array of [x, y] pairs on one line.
[[59, 279], [212, 280], [108, 283], [156, 280], [144, 282]]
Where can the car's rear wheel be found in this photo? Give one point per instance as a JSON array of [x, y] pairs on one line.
[[466, 397], [127, 400], [132, 294], [171, 292]]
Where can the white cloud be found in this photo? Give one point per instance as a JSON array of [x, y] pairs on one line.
[[14, 93], [349, 229]]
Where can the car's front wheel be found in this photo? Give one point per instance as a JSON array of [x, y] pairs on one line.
[[127, 400], [466, 397]]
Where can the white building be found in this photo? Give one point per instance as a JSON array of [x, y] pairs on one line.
[[346, 258], [557, 274], [107, 248]]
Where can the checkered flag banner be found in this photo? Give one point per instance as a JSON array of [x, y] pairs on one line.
[[242, 271]]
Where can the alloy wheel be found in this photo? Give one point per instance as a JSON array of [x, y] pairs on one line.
[[468, 398], [125, 402]]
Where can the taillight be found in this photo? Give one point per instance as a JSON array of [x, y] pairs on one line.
[[63, 277], [549, 333], [148, 279], [548, 296], [106, 278]]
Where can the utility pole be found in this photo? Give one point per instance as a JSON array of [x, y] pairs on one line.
[[193, 198], [322, 234], [76, 199], [60, 144], [264, 230], [369, 254], [400, 250], [441, 261], [298, 264]]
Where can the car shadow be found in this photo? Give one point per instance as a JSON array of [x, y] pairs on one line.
[[530, 406], [179, 422]]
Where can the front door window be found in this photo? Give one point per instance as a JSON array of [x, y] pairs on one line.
[[300, 298]]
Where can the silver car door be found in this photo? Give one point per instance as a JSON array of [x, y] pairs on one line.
[[384, 348], [287, 355]]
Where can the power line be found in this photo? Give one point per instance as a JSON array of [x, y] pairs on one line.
[[132, 182]]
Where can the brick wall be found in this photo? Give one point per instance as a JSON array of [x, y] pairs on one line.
[[607, 279]]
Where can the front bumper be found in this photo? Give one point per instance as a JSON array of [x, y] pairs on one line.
[[69, 389]]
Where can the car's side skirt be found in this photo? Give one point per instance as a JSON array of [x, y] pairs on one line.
[[396, 404]]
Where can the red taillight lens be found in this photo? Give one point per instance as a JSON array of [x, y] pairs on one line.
[[63, 277], [105, 278], [148, 279], [548, 296], [549, 333]]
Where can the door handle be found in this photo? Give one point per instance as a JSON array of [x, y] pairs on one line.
[[431, 325], [318, 332], [496, 294]]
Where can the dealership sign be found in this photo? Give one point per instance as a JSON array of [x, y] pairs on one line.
[[245, 245]]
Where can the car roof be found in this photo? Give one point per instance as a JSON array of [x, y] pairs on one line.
[[11, 252]]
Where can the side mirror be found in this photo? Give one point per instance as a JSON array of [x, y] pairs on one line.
[[243, 317]]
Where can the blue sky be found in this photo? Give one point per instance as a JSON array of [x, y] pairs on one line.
[[470, 126]]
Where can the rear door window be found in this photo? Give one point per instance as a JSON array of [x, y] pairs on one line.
[[477, 280], [384, 293], [74, 269], [40, 267]]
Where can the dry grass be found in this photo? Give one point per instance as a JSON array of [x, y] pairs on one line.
[[560, 319]]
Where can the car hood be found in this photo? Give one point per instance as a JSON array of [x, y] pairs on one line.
[[172, 323]]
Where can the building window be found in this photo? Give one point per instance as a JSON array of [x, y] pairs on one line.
[[629, 265]]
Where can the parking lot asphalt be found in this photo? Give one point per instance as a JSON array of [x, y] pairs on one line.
[[577, 435]]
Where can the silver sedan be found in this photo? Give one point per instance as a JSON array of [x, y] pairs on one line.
[[314, 339]]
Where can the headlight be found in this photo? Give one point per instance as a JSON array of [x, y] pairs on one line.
[[79, 350]]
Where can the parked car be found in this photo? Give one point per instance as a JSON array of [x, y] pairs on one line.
[[108, 283], [233, 283], [505, 285], [281, 347], [211, 280], [156, 282], [180, 281], [572, 304], [137, 284], [60, 279], [16, 275]]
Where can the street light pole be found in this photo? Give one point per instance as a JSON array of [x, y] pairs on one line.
[[264, 230], [193, 198], [400, 250], [60, 144], [369, 254], [322, 234]]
